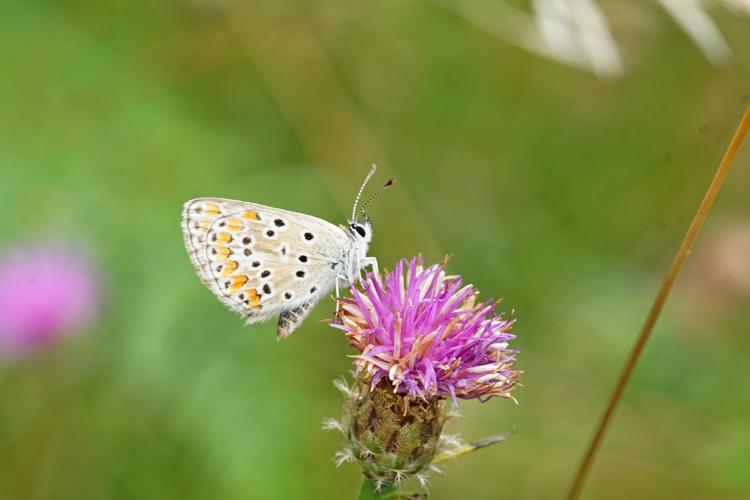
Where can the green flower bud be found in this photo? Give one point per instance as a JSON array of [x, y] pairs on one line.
[[390, 435]]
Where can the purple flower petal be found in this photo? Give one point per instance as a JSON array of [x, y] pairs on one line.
[[421, 330]]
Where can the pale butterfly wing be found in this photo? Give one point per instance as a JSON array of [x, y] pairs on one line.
[[261, 261]]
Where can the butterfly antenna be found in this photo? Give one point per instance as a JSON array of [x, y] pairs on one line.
[[388, 184], [362, 188]]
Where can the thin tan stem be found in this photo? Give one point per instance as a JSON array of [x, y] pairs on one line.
[[661, 298]]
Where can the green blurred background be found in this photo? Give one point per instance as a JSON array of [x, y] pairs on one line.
[[562, 192]]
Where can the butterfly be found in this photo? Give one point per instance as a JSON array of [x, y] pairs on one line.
[[261, 261]]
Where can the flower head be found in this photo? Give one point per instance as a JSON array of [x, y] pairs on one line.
[[45, 293], [423, 332]]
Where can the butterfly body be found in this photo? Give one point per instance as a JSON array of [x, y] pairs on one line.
[[261, 261]]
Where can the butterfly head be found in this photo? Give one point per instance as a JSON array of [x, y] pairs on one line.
[[361, 230]]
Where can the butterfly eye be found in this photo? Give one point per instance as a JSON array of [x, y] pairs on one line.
[[360, 230]]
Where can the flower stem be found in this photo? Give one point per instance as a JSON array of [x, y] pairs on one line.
[[369, 491], [661, 297]]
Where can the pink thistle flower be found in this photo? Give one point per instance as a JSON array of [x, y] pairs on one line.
[[45, 293], [424, 333]]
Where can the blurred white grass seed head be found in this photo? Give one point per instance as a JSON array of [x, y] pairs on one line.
[[578, 33]]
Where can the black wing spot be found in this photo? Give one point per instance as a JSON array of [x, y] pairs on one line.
[[279, 223], [247, 252], [256, 264], [247, 240], [265, 274], [267, 289], [303, 258], [313, 289], [270, 233], [288, 295], [309, 236], [300, 274]]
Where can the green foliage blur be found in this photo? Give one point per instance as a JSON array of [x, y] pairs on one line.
[[562, 193]]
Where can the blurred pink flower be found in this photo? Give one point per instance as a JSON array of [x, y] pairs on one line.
[[46, 292], [716, 286]]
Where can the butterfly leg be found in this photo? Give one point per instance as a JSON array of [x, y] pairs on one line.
[[372, 262], [339, 277]]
